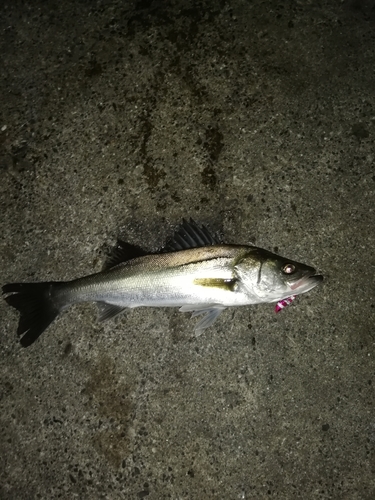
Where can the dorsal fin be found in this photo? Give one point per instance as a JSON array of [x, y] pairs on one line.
[[122, 252], [190, 235]]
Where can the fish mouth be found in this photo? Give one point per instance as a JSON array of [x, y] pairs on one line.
[[306, 283]]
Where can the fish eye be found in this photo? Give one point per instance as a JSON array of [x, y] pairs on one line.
[[289, 268]]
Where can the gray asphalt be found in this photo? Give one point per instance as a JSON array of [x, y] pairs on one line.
[[254, 118]]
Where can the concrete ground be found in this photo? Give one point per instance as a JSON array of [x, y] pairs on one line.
[[256, 118]]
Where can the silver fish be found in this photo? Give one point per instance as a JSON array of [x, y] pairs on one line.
[[194, 272]]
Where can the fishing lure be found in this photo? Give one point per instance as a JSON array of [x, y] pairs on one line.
[[283, 303]]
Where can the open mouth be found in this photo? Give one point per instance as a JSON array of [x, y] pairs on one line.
[[306, 283]]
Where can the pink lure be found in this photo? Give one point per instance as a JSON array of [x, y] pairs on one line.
[[283, 303]]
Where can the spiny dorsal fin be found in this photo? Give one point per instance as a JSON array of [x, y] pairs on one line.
[[190, 235], [123, 252]]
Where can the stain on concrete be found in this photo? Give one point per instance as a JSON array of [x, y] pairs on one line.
[[360, 131], [213, 142], [111, 399], [209, 178], [153, 175]]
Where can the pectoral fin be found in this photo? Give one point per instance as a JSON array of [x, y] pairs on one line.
[[224, 284], [210, 312]]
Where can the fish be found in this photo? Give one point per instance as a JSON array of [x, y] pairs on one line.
[[194, 271]]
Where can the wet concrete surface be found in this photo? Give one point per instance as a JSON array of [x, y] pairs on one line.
[[255, 118]]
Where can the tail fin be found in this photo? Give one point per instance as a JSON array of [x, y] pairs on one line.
[[34, 302]]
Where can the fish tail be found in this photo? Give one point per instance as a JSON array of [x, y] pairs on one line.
[[38, 305]]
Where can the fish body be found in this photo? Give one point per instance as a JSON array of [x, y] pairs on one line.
[[194, 276], [195, 273]]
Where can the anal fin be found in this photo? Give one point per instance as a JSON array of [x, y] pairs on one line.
[[108, 311]]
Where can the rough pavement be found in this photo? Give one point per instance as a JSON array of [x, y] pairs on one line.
[[255, 118]]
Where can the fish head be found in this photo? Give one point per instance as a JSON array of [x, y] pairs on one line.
[[270, 277]]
